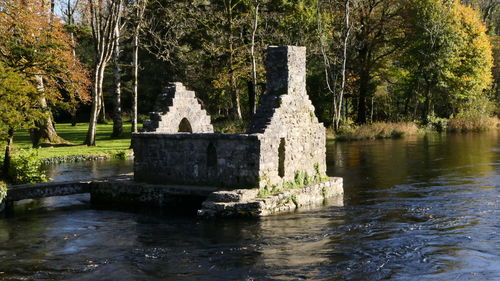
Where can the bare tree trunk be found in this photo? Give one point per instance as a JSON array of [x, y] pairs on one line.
[[326, 65], [69, 13], [96, 104], [117, 109], [427, 104], [45, 131], [101, 119], [135, 80], [371, 113], [344, 62], [72, 112], [139, 17], [104, 21], [253, 92], [8, 153], [236, 108]]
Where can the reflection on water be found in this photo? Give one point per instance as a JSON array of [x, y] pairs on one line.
[[425, 208], [88, 169]]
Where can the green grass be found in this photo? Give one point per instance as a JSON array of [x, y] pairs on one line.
[[105, 145]]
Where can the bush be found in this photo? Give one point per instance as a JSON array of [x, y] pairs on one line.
[[472, 123], [437, 123], [378, 130], [474, 116], [3, 191], [231, 127], [26, 167]]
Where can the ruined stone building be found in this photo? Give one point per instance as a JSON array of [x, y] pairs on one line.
[[284, 138]]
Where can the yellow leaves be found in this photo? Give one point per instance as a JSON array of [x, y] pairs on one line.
[[34, 41], [474, 59]]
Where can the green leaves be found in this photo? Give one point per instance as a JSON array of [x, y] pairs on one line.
[[26, 167], [18, 98], [449, 54]]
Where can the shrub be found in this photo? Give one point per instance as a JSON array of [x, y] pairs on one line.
[[120, 155], [472, 123], [3, 191], [378, 130], [26, 167], [231, 127], [437, 123], [474, 116]]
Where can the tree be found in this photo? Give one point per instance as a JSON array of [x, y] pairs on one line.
[[69, 10], [117, 107], [104, 17], [18, 110], [449, 57], [337, 95], [35, 44], [253, 90], [139, 8], [377, 24]]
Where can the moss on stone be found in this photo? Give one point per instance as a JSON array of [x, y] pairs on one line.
[[301, 180]]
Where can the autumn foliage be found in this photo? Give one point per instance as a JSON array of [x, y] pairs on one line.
[[33, 42]]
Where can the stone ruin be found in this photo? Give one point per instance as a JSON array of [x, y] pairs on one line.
[[173, 110], [284, 138]]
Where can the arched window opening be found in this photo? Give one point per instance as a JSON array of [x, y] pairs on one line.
[[185, 126], [281, 158], [211, 156]]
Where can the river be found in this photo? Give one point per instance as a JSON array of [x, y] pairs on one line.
[[423, 208]]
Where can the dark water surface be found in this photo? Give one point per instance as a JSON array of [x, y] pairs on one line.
[[415, 209]]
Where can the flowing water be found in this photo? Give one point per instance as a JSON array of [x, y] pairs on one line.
[[425, 208]]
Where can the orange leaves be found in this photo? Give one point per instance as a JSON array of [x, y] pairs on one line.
[[33, 42]]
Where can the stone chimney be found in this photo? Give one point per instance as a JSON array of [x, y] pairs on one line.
[[286, 70]]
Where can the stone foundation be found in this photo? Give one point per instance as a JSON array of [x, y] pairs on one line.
[[246, 203], [124, 193]]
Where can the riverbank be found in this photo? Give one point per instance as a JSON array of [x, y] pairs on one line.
[[74, 150], [108, 147]]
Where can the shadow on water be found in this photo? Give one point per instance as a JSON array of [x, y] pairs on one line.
[[421, 208]]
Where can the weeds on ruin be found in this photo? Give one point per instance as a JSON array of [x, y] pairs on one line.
[[301, 179]]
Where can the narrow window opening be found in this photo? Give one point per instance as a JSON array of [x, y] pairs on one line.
[[281, 158], [185, 126], [211, 155]]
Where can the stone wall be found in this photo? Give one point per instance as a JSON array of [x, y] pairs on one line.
[[246, 203], [293, 138], [41, 190], [178, 110], [223, 160]]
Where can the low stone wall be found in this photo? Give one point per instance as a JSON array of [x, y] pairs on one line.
[[125, 192], [223, 160], [42, 190], [245, 203]]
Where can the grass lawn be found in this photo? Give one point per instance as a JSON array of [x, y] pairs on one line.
[[105, 145]]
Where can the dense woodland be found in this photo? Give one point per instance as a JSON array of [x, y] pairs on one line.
[[368, 60]]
